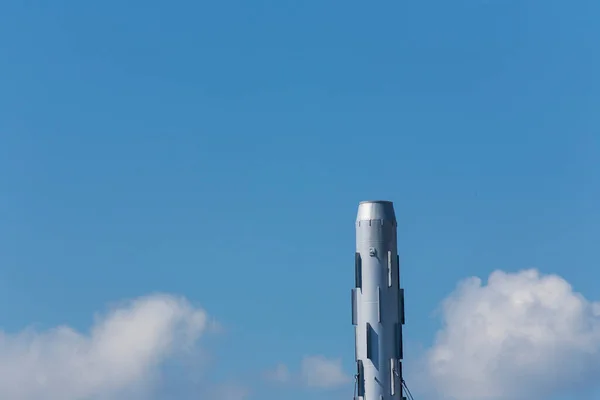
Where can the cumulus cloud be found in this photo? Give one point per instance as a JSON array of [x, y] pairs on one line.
[[119, 355], [231, 391], [315, 372], [520, 336], [280, 373], [321, 372]]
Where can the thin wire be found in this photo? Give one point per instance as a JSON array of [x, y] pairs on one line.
[[407, 392], [410, 396]]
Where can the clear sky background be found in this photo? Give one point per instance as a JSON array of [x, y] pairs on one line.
[[216, 152]]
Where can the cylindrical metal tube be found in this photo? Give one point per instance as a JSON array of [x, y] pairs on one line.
[[377, 303]]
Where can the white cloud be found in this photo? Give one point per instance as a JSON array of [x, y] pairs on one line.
[[315, 372], [320, 372], [230, 391], [120, 355], [280, 373], [521, 336]]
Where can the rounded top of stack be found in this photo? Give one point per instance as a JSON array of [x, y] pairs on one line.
[[376, 209]]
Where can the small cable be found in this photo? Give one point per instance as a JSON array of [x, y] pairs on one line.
[[410, 396]]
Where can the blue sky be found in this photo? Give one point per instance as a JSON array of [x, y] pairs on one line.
[[218, 150]]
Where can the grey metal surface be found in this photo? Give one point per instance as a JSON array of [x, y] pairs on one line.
[[376, 209], [377, 303]]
